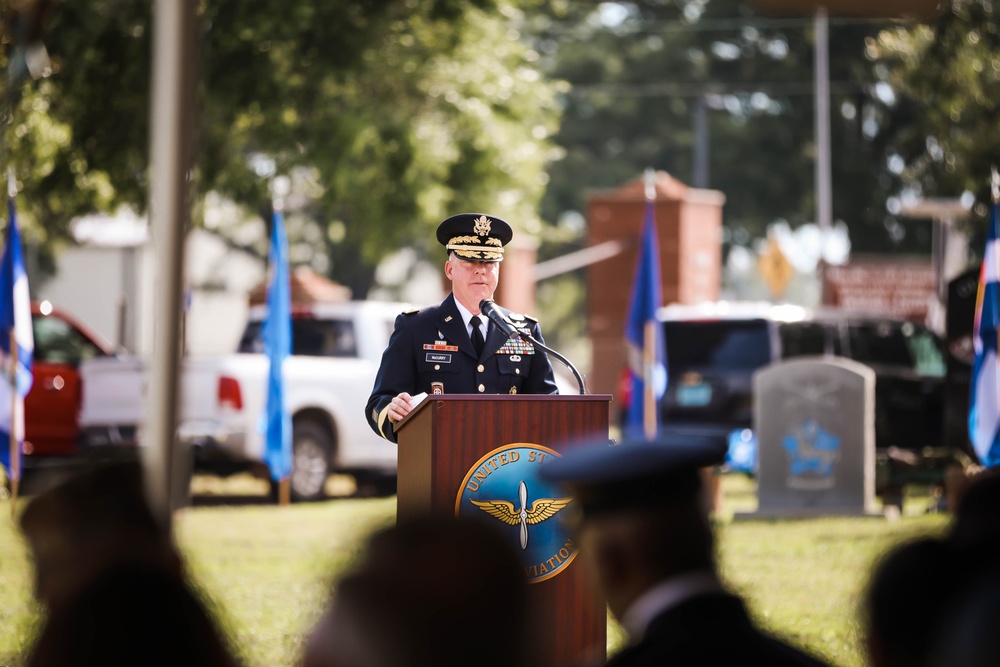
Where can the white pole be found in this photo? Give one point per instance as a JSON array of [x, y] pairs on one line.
[[824, 196], [169, 209]]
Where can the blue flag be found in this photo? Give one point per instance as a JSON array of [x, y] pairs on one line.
[[15, 317], [277, 334], [984, 399], [644, 338]]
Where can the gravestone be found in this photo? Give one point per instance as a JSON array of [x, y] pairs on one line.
[[815, 424]]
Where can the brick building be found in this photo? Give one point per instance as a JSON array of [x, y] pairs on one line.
[[689, 228]]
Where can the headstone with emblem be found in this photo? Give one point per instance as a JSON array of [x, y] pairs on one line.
[[815, 424]]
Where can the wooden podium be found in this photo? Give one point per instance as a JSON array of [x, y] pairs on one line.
[[454, 449]]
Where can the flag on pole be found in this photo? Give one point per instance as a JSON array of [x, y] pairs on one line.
[[277, 334], [17, 347], [984, 399], [644, 337]]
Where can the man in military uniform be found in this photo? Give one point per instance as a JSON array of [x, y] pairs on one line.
[[643, 524], [451, 347]]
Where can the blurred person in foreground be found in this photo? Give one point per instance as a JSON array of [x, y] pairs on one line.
[[112, 580], [935, 600], [88, 522], [132, 614], [644, 528], [451, 347], [428, 592]]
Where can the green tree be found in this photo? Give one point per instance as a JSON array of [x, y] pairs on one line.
[[399, 111], [640, 71], [942, 129]]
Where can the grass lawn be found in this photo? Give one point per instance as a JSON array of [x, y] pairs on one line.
[[267, 569]]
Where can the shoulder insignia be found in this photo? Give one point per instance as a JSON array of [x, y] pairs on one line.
[[411, 311], [531, 318]]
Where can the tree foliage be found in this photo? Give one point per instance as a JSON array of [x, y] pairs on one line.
[[639, 71], [943, 128], [399, 112]]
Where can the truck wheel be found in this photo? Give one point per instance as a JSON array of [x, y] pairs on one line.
[[311, 450]]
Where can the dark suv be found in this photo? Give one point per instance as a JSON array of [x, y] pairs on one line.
[[713, 350]]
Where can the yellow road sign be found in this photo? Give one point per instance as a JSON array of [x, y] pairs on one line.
[[775, 268]]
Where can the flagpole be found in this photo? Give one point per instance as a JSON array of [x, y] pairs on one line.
[[15, 446], [995, 192], [15, 450], [649, 343]]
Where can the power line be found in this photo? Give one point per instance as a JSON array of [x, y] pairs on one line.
[[696, 89], [632, 27]]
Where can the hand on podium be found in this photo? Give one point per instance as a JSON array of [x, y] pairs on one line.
[[403, 404]]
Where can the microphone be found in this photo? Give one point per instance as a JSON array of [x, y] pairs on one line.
[[490, 310]]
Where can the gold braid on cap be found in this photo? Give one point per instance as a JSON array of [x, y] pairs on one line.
[[472, 252], [464, 246]]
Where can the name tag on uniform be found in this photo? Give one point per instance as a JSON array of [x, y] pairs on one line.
[[438, 358]]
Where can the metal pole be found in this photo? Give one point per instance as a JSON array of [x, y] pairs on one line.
[[169, 209], [824, 198], [700, 179]]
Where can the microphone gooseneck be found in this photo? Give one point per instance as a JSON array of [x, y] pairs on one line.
[[488, 308]]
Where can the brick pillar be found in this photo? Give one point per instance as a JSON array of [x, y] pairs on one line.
[[689, 230], [516, 290]]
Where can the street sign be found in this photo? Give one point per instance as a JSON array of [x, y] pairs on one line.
[[775, 268]]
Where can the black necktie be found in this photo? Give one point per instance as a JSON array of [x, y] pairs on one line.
[[477, 335]]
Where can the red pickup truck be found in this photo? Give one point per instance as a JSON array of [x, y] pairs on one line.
[[52, 407]]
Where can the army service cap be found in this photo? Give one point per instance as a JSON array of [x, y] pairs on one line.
[[476, 237], [635, 474]]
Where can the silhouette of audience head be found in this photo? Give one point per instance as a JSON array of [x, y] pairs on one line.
[[969, 637], [131, 614], [642, 515], [926, 598], [905, 601], [88, 522], [977, 514], [429, 591]]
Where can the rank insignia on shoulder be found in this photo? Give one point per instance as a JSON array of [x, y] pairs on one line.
[[411, 311]]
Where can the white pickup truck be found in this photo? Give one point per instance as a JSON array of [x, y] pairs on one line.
[[336, 352]]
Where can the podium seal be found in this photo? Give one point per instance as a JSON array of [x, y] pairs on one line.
[[504, 486]]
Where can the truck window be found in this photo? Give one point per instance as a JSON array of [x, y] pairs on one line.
[[926, 351], [58, 342], [879, 343], [310, 338], [799, 339], [722, 345]]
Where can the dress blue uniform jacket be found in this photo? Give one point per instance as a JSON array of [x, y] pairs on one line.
[[430, 351], [709, 630]]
